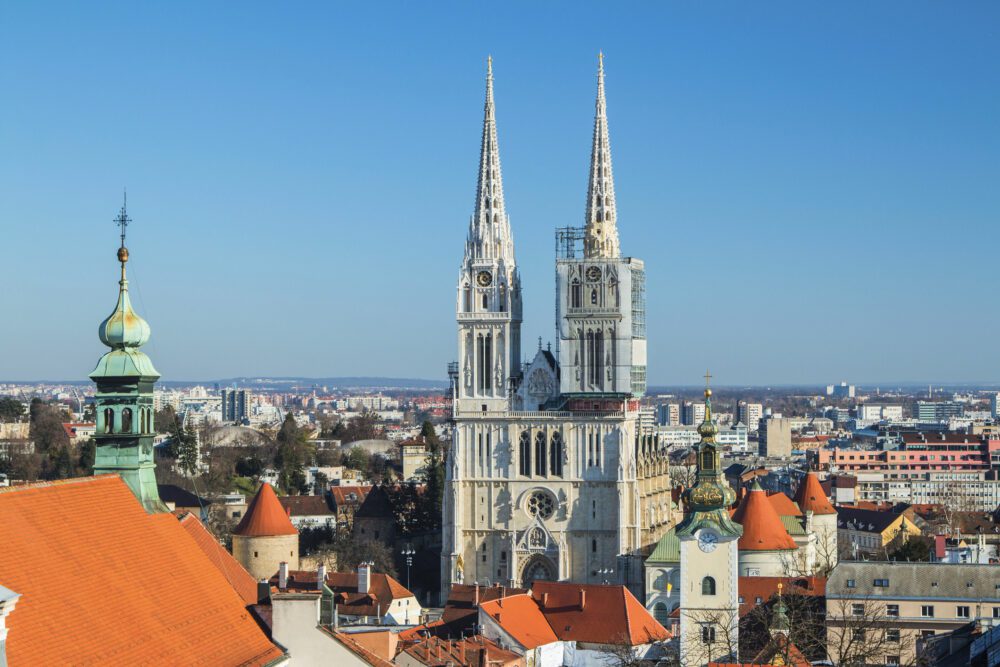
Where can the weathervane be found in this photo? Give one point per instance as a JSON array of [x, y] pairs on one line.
[[122, 220]]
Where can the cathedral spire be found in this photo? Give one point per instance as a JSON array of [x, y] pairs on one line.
[[489, 234], [601, 238]]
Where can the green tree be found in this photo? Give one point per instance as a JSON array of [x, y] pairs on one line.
[[292, 454], [86, 451], [164, 420], [433, 478], [914, 549], [11, 409], [183, 447], [358, 458]]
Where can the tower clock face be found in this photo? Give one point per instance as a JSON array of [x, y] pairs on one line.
[[707, 541], [594, 274], [484, 278]]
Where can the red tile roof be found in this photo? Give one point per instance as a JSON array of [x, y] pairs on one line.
[[811, 497], [89, 562], [462, 608], [784, 505], [382, 590], [241, 580], [265, 516], [468, 652], [306, 506], [521, 618], [610, 614], [751, 588], [762, 527], [342, 495]]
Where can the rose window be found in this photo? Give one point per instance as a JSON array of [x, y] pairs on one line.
[[540, 504]]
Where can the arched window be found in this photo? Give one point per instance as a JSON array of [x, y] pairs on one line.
[[556, 455], [127, 420], [540, 453], [593, 297], [574, 294], [661, 614], [503, 297], [524, 451], [486, 302], [109, 420], [593, 546], [149, 420], [708, 586]]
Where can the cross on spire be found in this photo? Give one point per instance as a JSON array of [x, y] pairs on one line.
[[123, 220], [708, 379]]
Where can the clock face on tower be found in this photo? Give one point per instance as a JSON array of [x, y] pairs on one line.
[[707, 541], [484, 278], [594, 274]]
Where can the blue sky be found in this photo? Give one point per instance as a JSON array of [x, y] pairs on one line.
[[815, 188]]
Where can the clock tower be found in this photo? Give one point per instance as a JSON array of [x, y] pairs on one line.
[[709, 606], [489, 288]]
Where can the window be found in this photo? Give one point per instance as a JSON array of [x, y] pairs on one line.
[[525, 454], [127, 420], [503, 556], [858, 609], [880, 583], [661, 614], [892, 635], [593, 297], [556, 455], [708, 586], [962, 611], [892, 660], [996, 612], [574, 294], [858, 634], [540, 504], [540, 453], [850, 583], [927, 611], [926, 633], [892, 610], [708, 633], [593, 546], [109, 420]]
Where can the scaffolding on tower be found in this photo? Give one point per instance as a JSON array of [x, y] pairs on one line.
[[569, 242]]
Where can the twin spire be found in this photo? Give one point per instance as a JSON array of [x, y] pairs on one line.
[[489, 231], [601, 239]]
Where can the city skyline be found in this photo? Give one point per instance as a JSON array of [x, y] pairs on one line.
[[322, 244]]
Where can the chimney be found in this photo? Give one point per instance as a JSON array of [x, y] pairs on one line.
[[320, 576], [283, 575], [364, 577], [476, 600], [545, 600], [583, 599], [263, 590]]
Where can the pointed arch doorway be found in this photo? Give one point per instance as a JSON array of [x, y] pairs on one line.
[[537, 568]]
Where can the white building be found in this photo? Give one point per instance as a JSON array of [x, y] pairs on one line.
[[749, 414], [548, 477]]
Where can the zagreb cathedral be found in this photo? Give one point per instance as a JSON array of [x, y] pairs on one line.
[[549, 475]]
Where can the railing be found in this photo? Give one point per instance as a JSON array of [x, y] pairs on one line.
[[542, 414], [464, 317]]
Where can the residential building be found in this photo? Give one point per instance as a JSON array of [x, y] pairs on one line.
[[413, 453], [237, 405], [775, 437], [916, 452], [842, 390], [549, 477], [749, 414], [912, 600], [310, 511], [346, 501], [735, 438], [568, 624], [871, 531], [876, 412], [995, 405], [692, 413], [668, 414]]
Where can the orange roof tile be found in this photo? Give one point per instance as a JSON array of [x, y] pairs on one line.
[[241, 580], [265, 516], [784, 505], [521, 618], [383, 590], [85, 549], [762, 527], [751, 588], [811, 497], [610, 614]]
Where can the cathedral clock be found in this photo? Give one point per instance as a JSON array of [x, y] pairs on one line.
[[484, 278], [594, 274]]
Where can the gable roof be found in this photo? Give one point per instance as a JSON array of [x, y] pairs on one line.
[[306, 505], [171, 493], [762, 527], [668, 549], [241, 580], [864, 520], [461, 611], [86, 549], [811, 497], [783, 505], [265, 516], [382, 590], [342, 495], [520, 618], [751, 588], [924, 581], [469, 651], [610, 614]]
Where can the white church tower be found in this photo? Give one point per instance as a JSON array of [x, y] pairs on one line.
[[489, 288], [601, 296]]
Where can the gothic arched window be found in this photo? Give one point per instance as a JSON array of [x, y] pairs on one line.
[[661, 614], [540, 453], [127, 420], [109, 420], [556, 455], [708, 586], [593, 297], [524, 452], [486, 301], [574, 294]]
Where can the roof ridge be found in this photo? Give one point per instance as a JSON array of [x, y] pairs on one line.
[[59, 482]]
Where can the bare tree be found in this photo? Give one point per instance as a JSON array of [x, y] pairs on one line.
[[859, 631], [717, 639]]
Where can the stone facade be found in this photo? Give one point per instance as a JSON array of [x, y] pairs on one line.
[[260, 556]]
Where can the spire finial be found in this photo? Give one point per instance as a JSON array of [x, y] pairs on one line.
[[123, 221], [600, 63], [708, 429]]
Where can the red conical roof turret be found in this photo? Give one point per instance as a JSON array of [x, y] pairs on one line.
[[811, 497], [265, 516], [762, 527]]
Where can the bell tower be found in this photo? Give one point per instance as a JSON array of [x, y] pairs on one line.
[[124, 399], [489, 288], [709, 557]]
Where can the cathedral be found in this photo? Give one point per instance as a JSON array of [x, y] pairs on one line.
[[549, 475]]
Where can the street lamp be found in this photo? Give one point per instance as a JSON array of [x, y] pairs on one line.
[[605, 573], [408, 552]]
